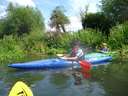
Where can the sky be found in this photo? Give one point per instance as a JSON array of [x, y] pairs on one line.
[[72, 9]]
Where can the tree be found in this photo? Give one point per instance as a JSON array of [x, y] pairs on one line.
[[58, 19], [83, 13], [97, 21], [20, 20], [115, 9]]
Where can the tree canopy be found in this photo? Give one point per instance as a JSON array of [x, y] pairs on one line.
[[97, 21], [58, 19], [117, 10], [20, 20]]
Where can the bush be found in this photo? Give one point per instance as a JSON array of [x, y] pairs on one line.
[[15, 49], [10, 50], [119, 36], [33, 43], [63, 41], [57, 40], [52, 39], [54, 51], [89, 37]]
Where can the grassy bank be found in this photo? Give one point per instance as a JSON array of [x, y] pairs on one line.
[[16, 49]]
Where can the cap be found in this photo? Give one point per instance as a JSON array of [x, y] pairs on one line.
[[104, 44]]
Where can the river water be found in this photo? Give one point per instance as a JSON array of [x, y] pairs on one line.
[[111, 80]]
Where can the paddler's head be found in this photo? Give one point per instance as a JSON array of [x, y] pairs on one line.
[[76, 44], [104, 44]]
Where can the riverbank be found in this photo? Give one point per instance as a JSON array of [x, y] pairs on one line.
[[16, 49]]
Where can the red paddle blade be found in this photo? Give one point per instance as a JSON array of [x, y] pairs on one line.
[[85, 65], [86, 74]]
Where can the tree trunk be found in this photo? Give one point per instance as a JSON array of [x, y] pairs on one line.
[[58, 28], [63, 28]]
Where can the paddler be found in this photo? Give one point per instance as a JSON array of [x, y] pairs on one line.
[[76, 53], [103, 48]]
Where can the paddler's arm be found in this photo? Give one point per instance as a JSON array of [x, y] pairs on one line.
[[62, 55], [69, 58]]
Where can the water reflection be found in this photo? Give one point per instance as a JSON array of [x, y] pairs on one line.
[[79, 75], [52, 83], [114, 79], [59, 79], [30, 77], [8, 79], [103, 81]]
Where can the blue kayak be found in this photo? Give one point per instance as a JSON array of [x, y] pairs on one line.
[[94, 58], [97, 58]]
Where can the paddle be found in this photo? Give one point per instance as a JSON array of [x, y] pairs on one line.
[[86, 67], [83, 63], [20, 89]]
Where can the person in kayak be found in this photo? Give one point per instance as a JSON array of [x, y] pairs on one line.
[[76, 53], [103, 48]]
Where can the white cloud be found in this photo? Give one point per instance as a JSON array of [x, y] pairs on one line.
[[23, 2], [2, 7], [2, 11], [3, 14], [75, 24], [77, 5]]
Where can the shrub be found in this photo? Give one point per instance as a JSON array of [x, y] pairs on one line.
[[119, 36], [89, 36], [10, 50]]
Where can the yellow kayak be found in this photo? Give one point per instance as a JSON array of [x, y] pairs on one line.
[[20, 89]]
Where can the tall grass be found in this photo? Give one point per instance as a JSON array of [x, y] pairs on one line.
[[119, 36], [89, 36], [63, 41], [10, 50], [15, 49]]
